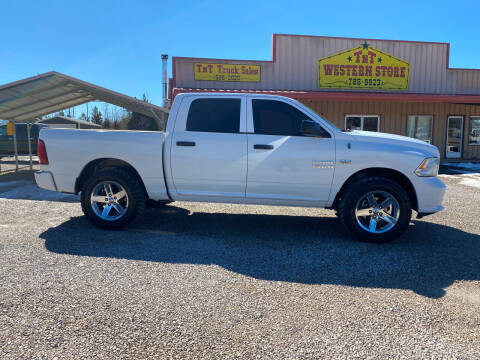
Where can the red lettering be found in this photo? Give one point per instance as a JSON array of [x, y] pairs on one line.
[[402, 72], [368, 70], [390, 71], [342, 69], [335, 70], [348, 69], [357, 54], [220, 68], [377, 70], [372, 55], [354, 70], [328, 69], [395, 71], [365, 59], [360, 70], [199, 67]]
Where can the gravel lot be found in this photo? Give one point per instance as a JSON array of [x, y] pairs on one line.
[[229, 281]]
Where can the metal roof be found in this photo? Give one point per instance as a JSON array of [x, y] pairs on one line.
[[47, 93], [69, 120]]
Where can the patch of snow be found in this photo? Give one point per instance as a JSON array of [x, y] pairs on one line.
[[471, 181], [449, 176]]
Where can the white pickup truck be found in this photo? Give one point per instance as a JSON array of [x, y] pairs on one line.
[[245, 149]]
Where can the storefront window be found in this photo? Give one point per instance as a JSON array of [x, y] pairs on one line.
[[362, 122], [474, 138], [420, 127]]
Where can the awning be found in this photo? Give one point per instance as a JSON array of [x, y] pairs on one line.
[[47, 93], [30, 98]]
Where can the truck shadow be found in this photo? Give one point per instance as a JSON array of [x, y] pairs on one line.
[[311, 250]]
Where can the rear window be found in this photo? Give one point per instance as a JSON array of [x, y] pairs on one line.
[[214, 115]]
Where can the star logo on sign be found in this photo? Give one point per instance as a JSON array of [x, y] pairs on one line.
[[379, 59], [365, 45], [349, 58]]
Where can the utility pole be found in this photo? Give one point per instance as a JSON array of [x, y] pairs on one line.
[[164, 70]]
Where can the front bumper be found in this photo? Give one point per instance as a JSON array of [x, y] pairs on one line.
[[430, 193], [44, 179]]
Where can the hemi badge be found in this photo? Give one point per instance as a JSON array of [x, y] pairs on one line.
[[322, 164], [345, 162]]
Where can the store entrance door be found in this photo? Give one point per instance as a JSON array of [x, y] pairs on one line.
[[454, 137]]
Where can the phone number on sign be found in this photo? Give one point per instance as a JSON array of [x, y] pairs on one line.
[[364, 82], [227, 77]]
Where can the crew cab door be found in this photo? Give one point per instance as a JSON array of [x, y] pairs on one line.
[[284, 163], [209, 148]]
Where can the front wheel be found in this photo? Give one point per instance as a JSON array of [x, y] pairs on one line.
[[375, 209], [111, 199]]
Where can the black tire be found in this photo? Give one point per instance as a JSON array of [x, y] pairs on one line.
[[358, 190], [137, 198]]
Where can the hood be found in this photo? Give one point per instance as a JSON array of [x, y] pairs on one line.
[[405, 142]]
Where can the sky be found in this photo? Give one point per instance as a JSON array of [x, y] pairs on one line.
[[118, 44]]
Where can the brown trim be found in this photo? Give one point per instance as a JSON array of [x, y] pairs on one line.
[[363, 39]]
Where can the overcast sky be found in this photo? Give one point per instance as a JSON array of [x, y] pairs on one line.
[[117, 44]]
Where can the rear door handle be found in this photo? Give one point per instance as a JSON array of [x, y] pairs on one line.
[[185, 143], [263, 147]]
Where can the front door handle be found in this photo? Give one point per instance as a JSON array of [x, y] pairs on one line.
[[185, 143], [263, 147]]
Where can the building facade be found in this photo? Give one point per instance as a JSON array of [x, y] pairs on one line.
[[399, 87]]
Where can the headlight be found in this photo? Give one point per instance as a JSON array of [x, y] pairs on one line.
[[428, 167]]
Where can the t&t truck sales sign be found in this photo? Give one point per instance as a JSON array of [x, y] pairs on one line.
[[363, 67], [226, 72]]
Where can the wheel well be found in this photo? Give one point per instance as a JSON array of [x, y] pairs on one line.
[[390, 174], [104, 164]]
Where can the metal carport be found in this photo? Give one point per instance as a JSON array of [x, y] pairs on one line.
[[27, 99]]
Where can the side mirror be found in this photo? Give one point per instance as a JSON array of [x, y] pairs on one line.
[[313, 129]]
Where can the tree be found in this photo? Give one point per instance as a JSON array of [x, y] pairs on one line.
[[116, 125], [97, 116], [107, 124], [139, 121], [83, 117]]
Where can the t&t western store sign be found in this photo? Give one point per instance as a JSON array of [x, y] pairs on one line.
[[363, 67]]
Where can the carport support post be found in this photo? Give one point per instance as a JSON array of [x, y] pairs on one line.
[[15, 144], [29, 145]]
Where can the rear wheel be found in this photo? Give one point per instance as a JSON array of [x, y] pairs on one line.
[[375, 209], [111, 199]]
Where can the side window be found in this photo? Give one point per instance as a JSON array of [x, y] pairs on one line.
[[214, 115], [362, 122], [271, 117]]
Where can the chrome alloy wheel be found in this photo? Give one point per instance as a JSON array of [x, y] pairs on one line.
[[377, 211], [109, 200]]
